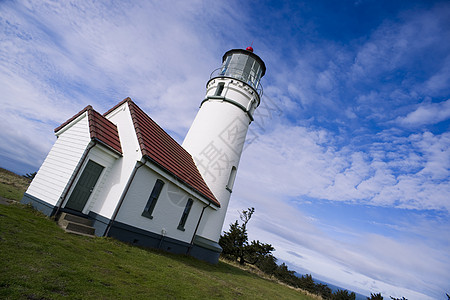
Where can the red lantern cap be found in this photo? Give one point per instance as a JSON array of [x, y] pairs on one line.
[[249, 49]]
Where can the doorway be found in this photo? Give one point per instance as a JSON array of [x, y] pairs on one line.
[[84, 186]]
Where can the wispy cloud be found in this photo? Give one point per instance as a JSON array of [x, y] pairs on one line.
[[57, 58], [376, 262], [425, 114], [355, 128], [396, 171]]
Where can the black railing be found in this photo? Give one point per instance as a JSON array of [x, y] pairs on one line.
[[239, 75]]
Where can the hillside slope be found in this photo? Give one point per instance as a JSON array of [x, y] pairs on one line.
[[38, 260], [12, 186]]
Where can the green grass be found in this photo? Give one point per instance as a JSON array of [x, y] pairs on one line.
[[12, 186], [38, 260]]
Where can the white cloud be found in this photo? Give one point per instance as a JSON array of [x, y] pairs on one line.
[[426, 114], [397, 172], [404, 172], [366, 262], [395, 45], [440, 81], [57, 57], [402, 62]]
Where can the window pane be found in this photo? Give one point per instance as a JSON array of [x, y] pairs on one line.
[[219, 89], [231, 179], [186, 211], [225, 65], [151, 203]]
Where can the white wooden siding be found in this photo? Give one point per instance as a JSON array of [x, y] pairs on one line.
[[60, 163]]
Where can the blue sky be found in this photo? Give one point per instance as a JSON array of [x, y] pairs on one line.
[[348, 161]]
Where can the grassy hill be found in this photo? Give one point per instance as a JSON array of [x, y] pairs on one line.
[[38, 260], [12, 186]]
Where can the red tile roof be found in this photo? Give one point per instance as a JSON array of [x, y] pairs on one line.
[[161, 149], [103, 130], [100, 129]]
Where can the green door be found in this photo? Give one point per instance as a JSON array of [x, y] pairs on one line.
[[84, 186]]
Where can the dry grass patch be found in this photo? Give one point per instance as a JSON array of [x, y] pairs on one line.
[[255, 270], [12, 186]]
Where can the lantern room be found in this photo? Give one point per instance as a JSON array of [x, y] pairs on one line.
[[243, 65]]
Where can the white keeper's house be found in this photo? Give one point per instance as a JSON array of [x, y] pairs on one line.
[[133, 182]]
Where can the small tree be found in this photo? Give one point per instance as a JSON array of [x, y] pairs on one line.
[[235, 243], [268, 264], [255, 251], [375, 296], [286, 275], [307, 283], [30, 175], [324, 291], [344, 295]]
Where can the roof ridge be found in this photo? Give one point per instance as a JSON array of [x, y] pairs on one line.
[[162, 129], [72, 118], [92, 122], [97, 128], [127, 99]]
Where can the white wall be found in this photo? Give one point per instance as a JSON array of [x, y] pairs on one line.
[[60, 163], [168, 210], [236, 91], [121, 170]]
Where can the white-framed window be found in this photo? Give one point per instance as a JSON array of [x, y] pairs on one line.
[[231, 179], [150, 206], [185, 214], [220, 89]]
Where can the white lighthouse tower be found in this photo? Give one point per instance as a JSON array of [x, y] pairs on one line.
[[217, 135]]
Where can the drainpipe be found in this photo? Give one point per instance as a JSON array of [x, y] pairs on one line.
[[196, 228], [163, 234], [63, 197], [122, 198]]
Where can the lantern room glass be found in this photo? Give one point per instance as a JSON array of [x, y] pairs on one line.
[[243, 67]]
